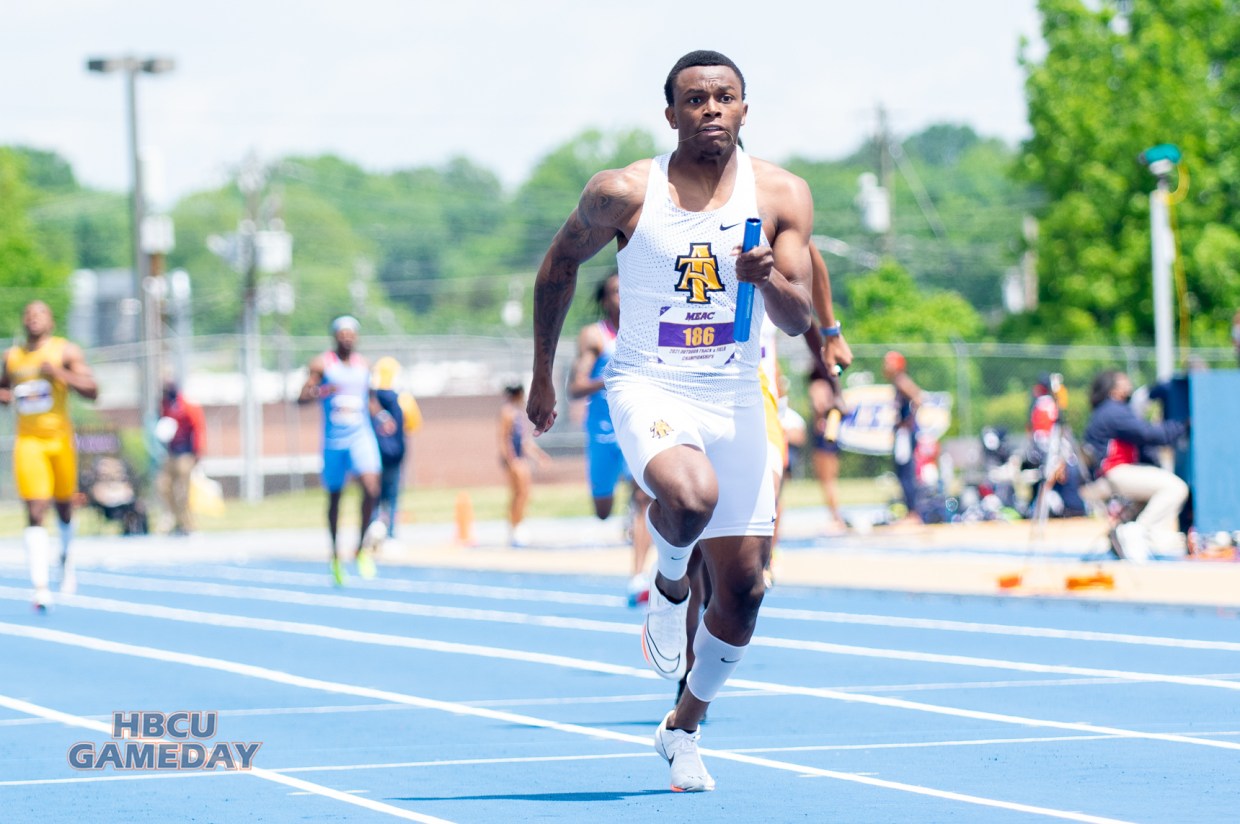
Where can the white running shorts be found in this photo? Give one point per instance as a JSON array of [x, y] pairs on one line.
[[649, 420]]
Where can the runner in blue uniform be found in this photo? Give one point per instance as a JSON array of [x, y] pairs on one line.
[[340, 380], [604, 461]]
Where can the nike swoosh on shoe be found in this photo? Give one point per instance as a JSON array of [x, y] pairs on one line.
[[658, 659]]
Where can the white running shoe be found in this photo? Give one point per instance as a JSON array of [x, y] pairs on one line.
[[664, 637], [1133, 544], [68, 577], [42, 599], [374, 536], [680, 748]]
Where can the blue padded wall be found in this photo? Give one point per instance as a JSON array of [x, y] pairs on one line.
[[1215, 464]]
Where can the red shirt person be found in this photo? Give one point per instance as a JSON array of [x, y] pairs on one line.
[[185, 444]]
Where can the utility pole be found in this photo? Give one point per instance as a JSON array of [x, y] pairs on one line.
[[1029, 262], [886, 177], [251, 181], [873, 199], [259, 246], [158, 239]]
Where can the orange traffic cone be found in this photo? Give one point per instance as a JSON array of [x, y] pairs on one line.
[[464, 519], [1096, 580]]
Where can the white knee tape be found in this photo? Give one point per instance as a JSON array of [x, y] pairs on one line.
[[673, 560], [714, 661]]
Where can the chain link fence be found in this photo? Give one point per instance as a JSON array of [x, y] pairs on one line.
[[990, 385]]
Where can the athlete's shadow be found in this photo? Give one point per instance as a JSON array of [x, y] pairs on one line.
[[618, 795]]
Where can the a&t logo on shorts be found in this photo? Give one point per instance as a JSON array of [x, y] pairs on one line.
[[159, 741], [660, 429]]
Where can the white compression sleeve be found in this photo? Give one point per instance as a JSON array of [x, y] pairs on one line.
[[714, 661]]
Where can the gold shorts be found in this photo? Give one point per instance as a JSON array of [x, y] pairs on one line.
[[45, 468]]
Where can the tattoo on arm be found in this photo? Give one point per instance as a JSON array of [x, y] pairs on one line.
[[552, 297], [577, 241]]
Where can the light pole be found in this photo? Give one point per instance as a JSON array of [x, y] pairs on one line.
[[1162, 160], [132, 66]]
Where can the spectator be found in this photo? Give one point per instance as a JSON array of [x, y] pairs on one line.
[[1116, 437], [908, 397], [186, 433], [825, 401], [516, 447], [1045, 426], [395, 416]]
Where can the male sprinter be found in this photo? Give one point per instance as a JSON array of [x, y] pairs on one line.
[[604, 462], [36, 379], [340, 380], [683, 393]]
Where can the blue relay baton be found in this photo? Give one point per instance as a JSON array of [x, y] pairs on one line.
[[744, 291]]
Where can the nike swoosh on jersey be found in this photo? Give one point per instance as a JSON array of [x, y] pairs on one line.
[[723, 228]]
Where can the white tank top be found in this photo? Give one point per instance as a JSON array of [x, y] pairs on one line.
[[678, 296]]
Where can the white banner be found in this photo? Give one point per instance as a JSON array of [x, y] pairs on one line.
[[869, 426]]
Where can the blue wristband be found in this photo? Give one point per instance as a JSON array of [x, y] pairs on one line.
[[831, 331]]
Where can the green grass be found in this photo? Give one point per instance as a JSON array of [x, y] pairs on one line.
[[437, 505]]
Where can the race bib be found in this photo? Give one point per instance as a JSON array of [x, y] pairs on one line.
[[346, 410], [33, 397], [696, 336]]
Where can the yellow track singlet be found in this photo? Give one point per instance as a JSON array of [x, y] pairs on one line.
[[42, 405]]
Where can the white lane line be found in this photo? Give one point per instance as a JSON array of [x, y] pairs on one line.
[[498, 593], [277, 676], [535, 759], [221, 619], [394, 765], [91, 779], [526, 657], [635, 698], [308, 787], [997, 663], [459, 613], [20, 722], [629, 698], [264, 711], [771, 611], [997, 629]]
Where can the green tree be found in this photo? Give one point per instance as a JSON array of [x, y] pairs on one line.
[[555, 186], [1108, 87], [87, 228], [888, 305], [27, 272], [959, 228]]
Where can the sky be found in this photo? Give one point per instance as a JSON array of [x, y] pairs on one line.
[[397, 84]]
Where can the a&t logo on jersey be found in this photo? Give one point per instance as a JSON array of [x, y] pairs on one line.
[[699, 273]]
